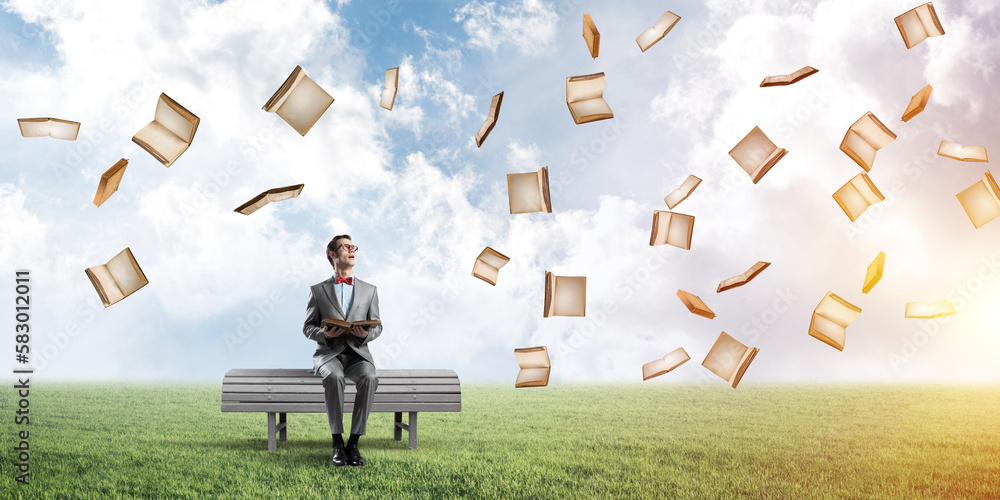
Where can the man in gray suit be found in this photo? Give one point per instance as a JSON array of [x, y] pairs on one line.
[[344, 352]]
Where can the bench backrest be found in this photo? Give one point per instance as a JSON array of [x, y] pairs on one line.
[[300, 391]]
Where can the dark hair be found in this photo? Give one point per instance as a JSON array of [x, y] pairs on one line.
[[332, 245]]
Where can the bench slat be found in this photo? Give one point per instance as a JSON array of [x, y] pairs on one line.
[[307, 372], [348, 397], [348, 407], [315, 380], [318, 389]]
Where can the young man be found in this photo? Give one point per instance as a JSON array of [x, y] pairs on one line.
[[344, 352]]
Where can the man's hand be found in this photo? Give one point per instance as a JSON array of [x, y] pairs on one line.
[[360, 331], [333, 332]]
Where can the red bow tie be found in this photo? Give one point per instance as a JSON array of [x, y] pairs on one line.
[[349, 281]]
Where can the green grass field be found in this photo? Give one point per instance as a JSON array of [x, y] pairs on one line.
[[620, 441]]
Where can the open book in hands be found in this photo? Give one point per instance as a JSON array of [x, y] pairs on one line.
[[334, 322]]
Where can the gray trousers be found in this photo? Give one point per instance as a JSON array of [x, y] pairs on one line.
[[362, 372]]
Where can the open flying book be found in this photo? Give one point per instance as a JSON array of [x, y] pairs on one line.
[[170, 133], [729, 359], [742, 279], [756, 154], [929, 310], [917, 103], [389, 90], [658, 367], [118, 278], [957, 151], [585, 98], [529, 192], [565, 295], [491, 119], [49, 127], [671, 228], [271, 195], [535, 367], [981, 200], [110, 181], [864, 138], [918, 24], [332, 322], [591, 35], [831, 318], [857, 195], [299, 101], [874, 274], [695, 304], [659, 30], [776, 80], [488, 264], [680, 194]]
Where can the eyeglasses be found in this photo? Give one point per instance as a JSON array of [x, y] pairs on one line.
[[348, 247]]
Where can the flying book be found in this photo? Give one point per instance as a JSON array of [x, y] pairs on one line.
[[831, 318], [49, 127], [591, 35], [535, 367], [729, 359], [874, 273], [957, 151], [529, 192], [110, 181], [565, 295], [118, 278], [585, 98], [389, 91], [299, 101], [491, 119], [170, 133], [488, 264], [680, 194], [918, 24], [658, 367], [671, 228], [271, 195], [776, 80], [659, 30], [756, 154], [742, 279], [857, 195], [695, 304], [367, 323], [981, 200], [864, 138], [917, 103], [929, 310]]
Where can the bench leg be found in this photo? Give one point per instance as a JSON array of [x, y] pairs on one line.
[[397, 432], [413, 430], [272, 445], [283, 428]]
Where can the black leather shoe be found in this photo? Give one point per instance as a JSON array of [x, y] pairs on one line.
[[339, 458], [354, 456]]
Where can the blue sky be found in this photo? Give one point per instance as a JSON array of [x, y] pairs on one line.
[[421, 200]]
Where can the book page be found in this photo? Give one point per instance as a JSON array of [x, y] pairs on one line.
[[173, 119], [680, 194], [752, 151], [925, 310], [658, 367], [725, 356], [911, 28], [126, 274], [647, 38], [532, 377], [981, 201], [837, 310], [590, 108], [304, 104], [679, 230], [107, 282], [162, 141], [873, 131], [929, 20], [485, 272], [254, 204], [388, 98], [858, 149], [523, 193], [493, 258], [570, 296], [666, 23], [532, 357], [828, 331], [584, 87]]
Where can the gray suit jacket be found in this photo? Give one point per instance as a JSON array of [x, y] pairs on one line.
[[323, 304]]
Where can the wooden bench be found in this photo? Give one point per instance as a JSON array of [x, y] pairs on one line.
[[281, 391]]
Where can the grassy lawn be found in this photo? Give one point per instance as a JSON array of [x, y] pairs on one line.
[[620, 441]]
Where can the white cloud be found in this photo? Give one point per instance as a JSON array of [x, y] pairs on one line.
[[529, 26]]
